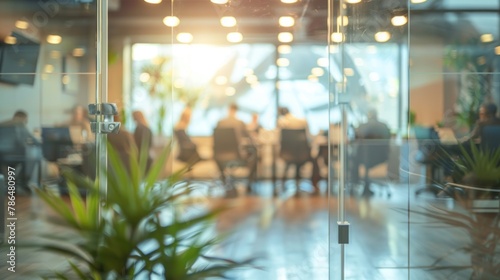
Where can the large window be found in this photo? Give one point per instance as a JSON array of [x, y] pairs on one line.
[[259, 78]]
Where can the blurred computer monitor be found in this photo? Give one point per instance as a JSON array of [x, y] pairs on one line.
[[56, 142]]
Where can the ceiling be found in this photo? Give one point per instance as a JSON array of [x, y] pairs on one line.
[[257, 19]]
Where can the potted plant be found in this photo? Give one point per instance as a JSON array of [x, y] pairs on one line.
[[139, 230], [478, 168], [477, 172]]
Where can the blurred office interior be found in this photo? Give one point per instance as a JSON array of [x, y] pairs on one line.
[[419, 64]]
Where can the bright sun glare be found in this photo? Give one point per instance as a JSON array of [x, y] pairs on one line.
[[200, 61]]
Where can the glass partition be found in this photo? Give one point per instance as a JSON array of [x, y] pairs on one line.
[[349, 116], [452, 72], [47, 70]]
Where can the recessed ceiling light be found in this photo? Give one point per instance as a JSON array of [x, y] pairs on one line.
[[322, 61], [497, 50], [317, 71], [228, 21], [184, 37], [21, 24], [312, 78], [11, 40], [171, 21], [418, 1], [285, 37], [219, 1], [234, 37], [353, 1], [487, 38], [288, 1], [286, 21], [54, 39], [48, 68], [338, 37], [382, 36], [153, 1], [349, 72], [399, 20]]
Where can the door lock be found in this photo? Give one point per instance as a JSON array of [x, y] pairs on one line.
[[108, 124]]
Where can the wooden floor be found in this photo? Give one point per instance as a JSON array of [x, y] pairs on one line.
[[295, 237]]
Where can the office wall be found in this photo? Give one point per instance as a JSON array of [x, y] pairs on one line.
[[46, 102], [426, 91]]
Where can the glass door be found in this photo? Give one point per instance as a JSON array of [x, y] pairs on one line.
[[264, 64], [368, 61]]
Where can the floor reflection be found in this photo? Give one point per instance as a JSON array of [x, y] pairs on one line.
[[295, 237]]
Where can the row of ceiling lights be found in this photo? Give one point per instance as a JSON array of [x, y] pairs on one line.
[[235, 37], [284, 21], [229, 21]]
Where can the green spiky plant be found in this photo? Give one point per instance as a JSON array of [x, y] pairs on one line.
[[483, 236], [478, 169], [138, 232]]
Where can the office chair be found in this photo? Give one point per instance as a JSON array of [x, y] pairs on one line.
[[188, 152], [490, 137], [295, 150], [371, 153], [429, 155], [228, 154]]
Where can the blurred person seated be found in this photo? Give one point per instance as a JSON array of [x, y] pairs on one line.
[[19, 149], [188, 152], [79, 125], [487, 116], [245, 140], [254, 126], [288, 121], [372, 129], [143, 136]]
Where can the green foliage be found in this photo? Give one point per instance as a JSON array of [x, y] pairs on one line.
[[138, 231], [412, 118], [483, 234], [478, 166], [465, 57], [469, 105], [160, 86]]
